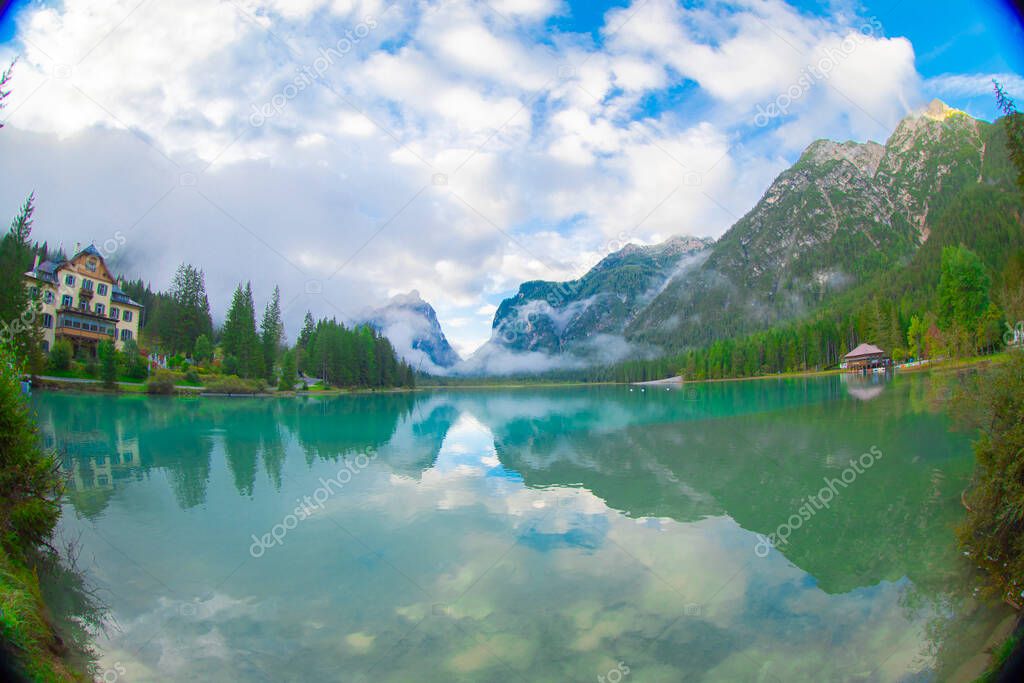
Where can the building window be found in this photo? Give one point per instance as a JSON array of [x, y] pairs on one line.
[[48, 297], [83, 306], [100, 309], [69, 280], [115, 313], [65, 301], [47, 320], [46, 346], [126, 334], [91, 263], [86, 283], [127, 317], [101, 290]]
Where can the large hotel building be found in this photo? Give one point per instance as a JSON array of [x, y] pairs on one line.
[[82, 302]]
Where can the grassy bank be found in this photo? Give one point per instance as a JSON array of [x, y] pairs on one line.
[[31, 486], [28, 635]]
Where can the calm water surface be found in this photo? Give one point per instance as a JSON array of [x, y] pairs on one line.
[[536, 534]]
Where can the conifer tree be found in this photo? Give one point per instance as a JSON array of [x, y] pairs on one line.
[[19, 322], [239, 338], [271, 334], [192, 307]]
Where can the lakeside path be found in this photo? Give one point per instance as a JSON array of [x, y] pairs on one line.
[[82, 380]]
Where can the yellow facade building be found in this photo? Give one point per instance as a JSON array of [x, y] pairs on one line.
[[83, 302]]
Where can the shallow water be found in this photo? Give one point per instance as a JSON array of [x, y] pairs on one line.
[[532, 534]]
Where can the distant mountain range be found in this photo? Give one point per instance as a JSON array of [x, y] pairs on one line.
[[412, 326], [556, 317], [843, 214]]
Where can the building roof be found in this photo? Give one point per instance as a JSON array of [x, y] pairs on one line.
[[91, 250], [117, 294], [47, 271], [864, 351]]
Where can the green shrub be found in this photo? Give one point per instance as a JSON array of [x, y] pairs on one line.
[[30, 483], [993, 532], [192, 377], [162, 382], [234, 385], [60, 355], [91, 368], [133, 362]]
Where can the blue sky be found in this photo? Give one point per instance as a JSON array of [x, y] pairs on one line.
[[454, 148]]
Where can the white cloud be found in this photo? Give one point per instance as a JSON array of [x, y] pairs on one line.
[[972, 85], [465, 157], [533, 10]]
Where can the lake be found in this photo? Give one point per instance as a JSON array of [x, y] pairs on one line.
[[776, 530]]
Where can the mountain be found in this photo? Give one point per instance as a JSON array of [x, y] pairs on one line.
[[842, 214], [574, 316], [412, 326]]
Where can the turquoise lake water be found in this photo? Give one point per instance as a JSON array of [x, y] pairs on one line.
[[779, 530]]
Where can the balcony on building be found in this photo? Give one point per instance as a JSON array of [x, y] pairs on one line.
[[83, 326]]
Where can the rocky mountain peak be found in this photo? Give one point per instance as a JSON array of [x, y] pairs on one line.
[[929, 125], [411, 298], [937, 110], [865, 156], [673, 246], [412, 326]]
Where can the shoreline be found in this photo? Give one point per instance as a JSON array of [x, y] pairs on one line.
[[92, 386]]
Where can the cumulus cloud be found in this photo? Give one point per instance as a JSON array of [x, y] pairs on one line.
[[349, 149]]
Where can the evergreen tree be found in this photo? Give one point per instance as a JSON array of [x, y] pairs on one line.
[[271, 334], [19, 321], [351, 357], [108, 363], [239, 338], [190, 308], [288, 371], [1011, 293], [141, 292], [1014, 126], [203, 350], [308, 327]]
